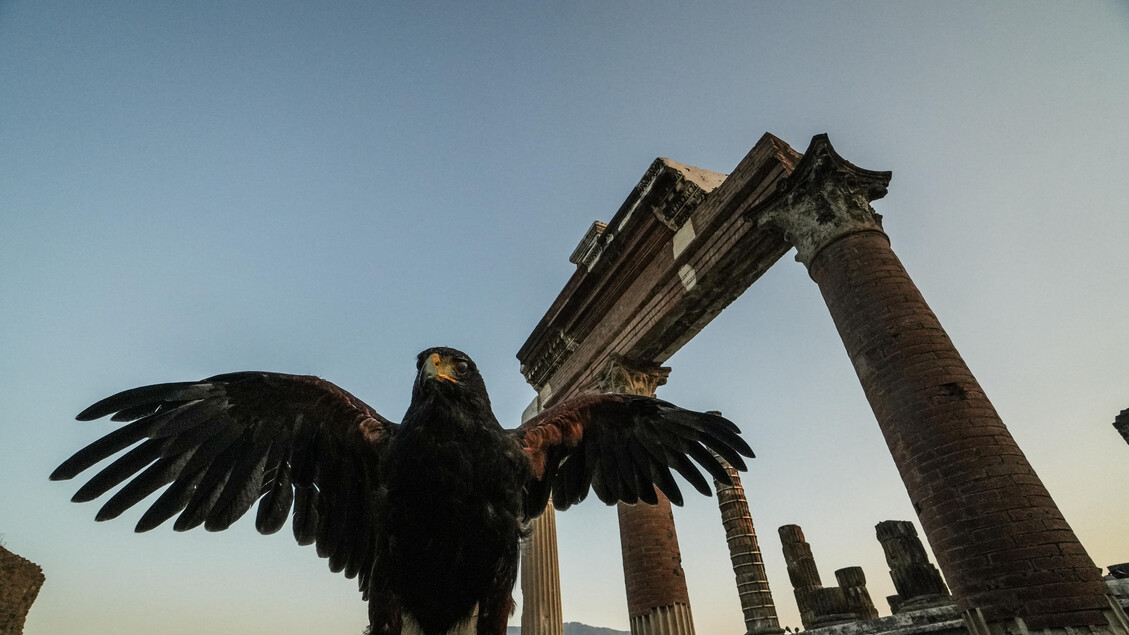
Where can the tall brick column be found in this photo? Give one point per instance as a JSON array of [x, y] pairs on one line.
[[657, 600], [1010, 558]]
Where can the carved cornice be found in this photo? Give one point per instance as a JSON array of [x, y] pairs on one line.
[[631, 377], [551, 356], [825, 198], [590, 247], [679, 195]]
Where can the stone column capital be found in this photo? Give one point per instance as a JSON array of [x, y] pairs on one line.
[[825, 198], [632, 377]]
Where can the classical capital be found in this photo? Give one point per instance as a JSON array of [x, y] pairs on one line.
[[825, 198], [634, 378]]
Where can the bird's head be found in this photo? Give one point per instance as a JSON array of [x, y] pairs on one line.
[[449, 373]]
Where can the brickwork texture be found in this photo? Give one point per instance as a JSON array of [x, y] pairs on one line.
[[20, 581], [652, 561], [997, 534]]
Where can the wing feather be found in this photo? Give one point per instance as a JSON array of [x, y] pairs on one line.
[[275, 505], [113, 474], [156, 476], [218, 446], [623, 447]]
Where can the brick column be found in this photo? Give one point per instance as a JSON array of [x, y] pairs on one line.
[[540, 579], [657, 600], [1010, 558], [748, 565]]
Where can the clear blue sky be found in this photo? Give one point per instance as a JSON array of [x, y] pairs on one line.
[[194, 188]]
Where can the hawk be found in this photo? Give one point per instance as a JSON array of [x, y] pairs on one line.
[[427, 514]]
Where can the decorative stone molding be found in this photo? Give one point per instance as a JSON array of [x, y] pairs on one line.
[[824, 199], [631, 377], [588, 251], [680, 195], [559, 348]]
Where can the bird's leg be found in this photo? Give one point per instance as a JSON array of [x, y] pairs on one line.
[[493, 613], [383, 613]]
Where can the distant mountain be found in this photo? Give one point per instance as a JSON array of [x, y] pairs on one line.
[[576, 628]]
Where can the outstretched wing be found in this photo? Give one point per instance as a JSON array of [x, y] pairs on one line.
[[220, 444], [622, 447]]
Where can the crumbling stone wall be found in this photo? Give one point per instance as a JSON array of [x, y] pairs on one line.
[[20, 580]]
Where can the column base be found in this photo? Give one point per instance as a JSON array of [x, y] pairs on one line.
[[1116, 623], [673, 619]]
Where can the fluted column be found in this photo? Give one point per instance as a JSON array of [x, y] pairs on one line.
[[1011, 559], [748, 565], [657, 600], [540, 579]]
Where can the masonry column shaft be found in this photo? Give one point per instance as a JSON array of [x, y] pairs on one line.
[[540, 578], [748, 564], [657, 600], [999, 538]]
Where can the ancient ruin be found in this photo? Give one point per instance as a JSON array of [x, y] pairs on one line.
[[20, 581], [819, 605], [748, 565], [685, 243]]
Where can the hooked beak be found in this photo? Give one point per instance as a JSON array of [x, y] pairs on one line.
[[436, 367]]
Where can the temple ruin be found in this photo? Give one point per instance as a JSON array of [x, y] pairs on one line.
[[684, 244], [20, 581]]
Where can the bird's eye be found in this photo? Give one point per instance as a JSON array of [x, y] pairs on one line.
[[461, 366]]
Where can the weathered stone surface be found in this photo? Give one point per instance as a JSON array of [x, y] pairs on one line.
[[1121, 424], [748, 567], [802, 572], [917, 581], [1003, 544], [541, 612], [824, 199], [853, 582], [671, 258], [942, 620], [658, 601], [20, 581]]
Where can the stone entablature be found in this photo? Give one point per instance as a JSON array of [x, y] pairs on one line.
[[675, 254]]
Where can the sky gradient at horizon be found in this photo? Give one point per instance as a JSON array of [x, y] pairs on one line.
[[190, 189]]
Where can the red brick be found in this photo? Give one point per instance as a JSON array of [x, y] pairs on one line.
[[981, 504]]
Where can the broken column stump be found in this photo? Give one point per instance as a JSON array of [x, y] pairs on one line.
[[917, 581], [20, 581], [1121, 424], [801, 570], [853, 582], [823, 606]]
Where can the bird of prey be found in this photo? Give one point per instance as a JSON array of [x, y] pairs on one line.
[[427, 514]]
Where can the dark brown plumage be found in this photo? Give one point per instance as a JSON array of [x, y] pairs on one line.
[[427, 514]]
